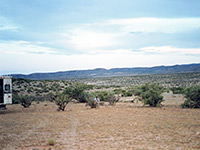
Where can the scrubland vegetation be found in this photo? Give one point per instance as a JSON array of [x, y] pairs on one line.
[[148, 87], [149, 114]]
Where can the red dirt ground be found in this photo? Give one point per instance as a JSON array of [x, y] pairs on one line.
[[124, 126]]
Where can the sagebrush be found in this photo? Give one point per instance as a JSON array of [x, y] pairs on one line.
[[192, 94], [150, 94]]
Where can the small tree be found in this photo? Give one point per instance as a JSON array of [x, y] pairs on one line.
[[150, 94], [92, 103], [25, 100], [77, 91], [62, 100], [103, 96], [192, 94], [90, 100], [51, 97], [112, 98], [177, 90]]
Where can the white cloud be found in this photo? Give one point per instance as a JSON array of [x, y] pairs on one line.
[[172, 50], [23, 47], [115, 34], [101, 44], [115, 51], [162, 25], [87, 40], [8, 27], [6, 24]]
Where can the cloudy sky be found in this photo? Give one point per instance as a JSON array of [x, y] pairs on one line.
[[61, 35]]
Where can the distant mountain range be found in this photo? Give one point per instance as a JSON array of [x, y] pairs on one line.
[[100, 72]]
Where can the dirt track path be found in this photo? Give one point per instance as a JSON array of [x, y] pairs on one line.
[[69, 139]]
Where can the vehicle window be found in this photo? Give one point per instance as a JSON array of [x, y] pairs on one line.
[[7, 87]]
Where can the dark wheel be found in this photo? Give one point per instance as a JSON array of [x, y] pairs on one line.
[[3, 107]]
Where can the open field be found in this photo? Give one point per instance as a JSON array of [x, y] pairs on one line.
[[124, 126], [41, 88], [166, 80]]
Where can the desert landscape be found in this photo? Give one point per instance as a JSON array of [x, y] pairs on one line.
[[123, 126], [100, 75]]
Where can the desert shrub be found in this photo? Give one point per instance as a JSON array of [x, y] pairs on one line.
[[77, 91], [177, 90], [192, 94], [150, 94], [92, 103], [117, 91], [51, 142], [124, 93], [15, 98], [88, 87], [99, 87], [90, 100], [21, 80], [100, 94], [51, 97], [62, 100], [105, 96], [25, 100], [45, 90], [41, 98], [83, 97], [40, 85], [112, 98], [29, 90], [127, 93]]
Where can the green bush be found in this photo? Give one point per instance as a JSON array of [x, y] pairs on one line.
[[15, 98], [25, 100], [117, 91], [105, 96], [112, 98], [51, 142], [90, 100], [29, 90], [150, 94], [127, 93], [77, 91], [62, 100], [192, 94], [124, 93], [177, 90], [102, 95], [51, 97], [92, 103]]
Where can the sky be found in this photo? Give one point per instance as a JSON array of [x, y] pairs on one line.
[[62, 35]]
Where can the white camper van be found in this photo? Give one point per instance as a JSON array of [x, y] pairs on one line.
[[5, 91]]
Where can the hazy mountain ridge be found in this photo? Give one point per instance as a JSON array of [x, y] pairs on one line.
[[101, 72]]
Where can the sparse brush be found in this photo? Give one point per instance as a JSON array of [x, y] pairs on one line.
[[25, 100], [192, 94], [92, 103], [150, 94], [77, 91], [51, 142], [51, 97], [112, 98], [62, 100]]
